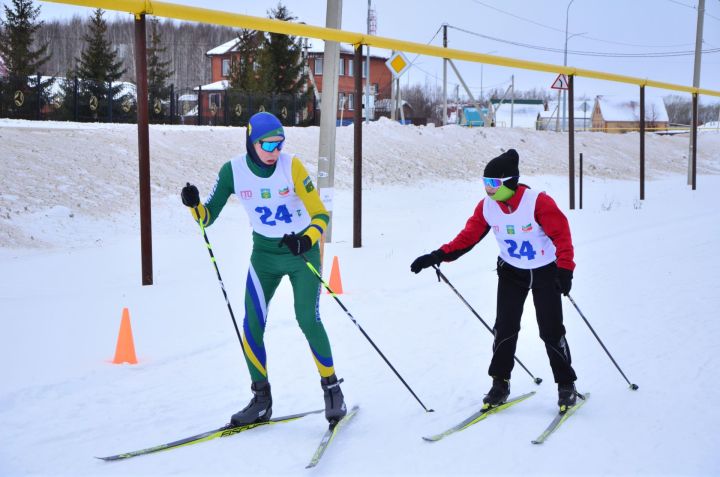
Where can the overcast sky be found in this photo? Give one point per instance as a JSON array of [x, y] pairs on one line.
[[523, 29]]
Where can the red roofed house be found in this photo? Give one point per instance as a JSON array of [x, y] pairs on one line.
[[221, 58]]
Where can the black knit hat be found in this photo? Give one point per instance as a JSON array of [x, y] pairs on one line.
[[505, 165]]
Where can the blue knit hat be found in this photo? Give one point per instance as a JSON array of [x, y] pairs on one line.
[[263, 125]]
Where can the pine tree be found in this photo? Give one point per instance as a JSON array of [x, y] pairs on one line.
[[283, 63], [22, 61], [99, 67], [245, 68], [158, 72]]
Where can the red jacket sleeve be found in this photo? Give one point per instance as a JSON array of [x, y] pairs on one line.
[[556, 226], [475, 229]]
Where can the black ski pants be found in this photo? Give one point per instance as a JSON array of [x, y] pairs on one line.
[[513, 287]]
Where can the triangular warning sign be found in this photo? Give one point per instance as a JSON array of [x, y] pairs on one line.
[[561, 82]]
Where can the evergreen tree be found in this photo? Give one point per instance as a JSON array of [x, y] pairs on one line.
[[157, 71], [99, 68], [282, 62], [21, 60], [245, 69]]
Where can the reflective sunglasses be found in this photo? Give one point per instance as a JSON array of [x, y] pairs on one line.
[[270, 146], [493, 182]]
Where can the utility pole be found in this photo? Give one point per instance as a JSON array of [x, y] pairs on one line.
[[564, 93], [696, 78], [444, 118], [371, 30], [328, 113]]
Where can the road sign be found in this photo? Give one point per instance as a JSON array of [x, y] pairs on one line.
[[561, 82], [398, 64]]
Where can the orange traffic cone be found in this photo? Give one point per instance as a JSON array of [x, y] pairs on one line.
[[125, 349], [335, 280]]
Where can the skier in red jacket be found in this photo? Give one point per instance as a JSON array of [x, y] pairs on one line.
[[536, 253]]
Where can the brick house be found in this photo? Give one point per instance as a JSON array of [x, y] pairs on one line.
[[222, 57], [380, 76]]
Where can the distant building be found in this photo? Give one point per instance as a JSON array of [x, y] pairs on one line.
[[222, 57], [617, 114], [380, 77]]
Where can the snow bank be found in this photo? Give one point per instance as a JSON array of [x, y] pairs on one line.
[[92, 169]]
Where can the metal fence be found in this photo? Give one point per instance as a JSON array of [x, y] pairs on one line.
[[72, 99]]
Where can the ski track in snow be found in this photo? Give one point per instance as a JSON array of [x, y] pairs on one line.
[[646, 280]]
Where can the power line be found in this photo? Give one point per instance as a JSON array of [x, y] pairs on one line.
[[588, 53], [584, 36]]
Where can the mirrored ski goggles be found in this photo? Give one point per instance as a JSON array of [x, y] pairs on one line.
[[493, 182], [270, 146]]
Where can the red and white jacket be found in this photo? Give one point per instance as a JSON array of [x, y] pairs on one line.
[[547, 214]]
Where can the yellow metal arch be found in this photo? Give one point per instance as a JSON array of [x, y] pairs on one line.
[[203, 15]]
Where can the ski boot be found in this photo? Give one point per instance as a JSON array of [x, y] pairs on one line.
[[259, 409], [498, 393], [567, 396], [334, 401]]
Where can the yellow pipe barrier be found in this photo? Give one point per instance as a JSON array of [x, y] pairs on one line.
[[203, 15]]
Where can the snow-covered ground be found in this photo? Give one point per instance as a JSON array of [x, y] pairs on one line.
[[646, 280]]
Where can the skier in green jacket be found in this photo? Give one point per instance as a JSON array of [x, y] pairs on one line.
[[288, 218]]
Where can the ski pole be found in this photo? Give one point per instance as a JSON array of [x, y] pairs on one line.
[[327, 287], [633, 386], [444, 278], [217, 270]]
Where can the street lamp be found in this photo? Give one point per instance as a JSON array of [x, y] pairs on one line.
[[564, 92]]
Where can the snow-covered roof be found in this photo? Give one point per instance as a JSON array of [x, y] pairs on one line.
[[318, 46], [617, 108], [314, 46], [221, 85], [226, 47], [710, 125]]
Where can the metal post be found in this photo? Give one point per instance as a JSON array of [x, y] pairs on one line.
[[696, 84], [512, 103], [642, 142], [571, 140], [328, 112], [199, 107], [76, 105], [357, 155], [367, 71], [39, 102], [693, 169], [226, 107], [172, 103], [444, 118], [581, 179], [143, 149], [110, 101]]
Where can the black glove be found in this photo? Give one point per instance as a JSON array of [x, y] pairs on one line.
[[297, 244], [190, 195], [563, 280], [425, 261]]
